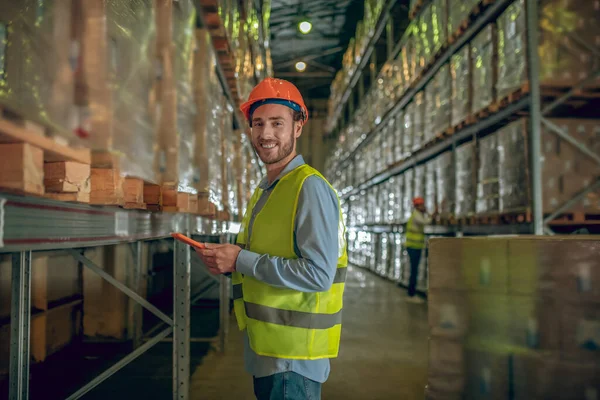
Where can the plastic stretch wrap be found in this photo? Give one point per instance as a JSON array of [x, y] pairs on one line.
[[377, 202], [378, 153], [442, 100], [458, 11], [407, 134], [426, 35], [215, 153], [460, 70], [431, 186], [419, 182], [382, 202], [36, 74], [418, 131], [245, 178], [567, 29], [512, 41], [390, 201], [513, 179], [439, 25], [398, 188], [383, 255], [438, 94], [408, 194], [130, 38], [465, 182], [419, 52], [184, 22], [390, 141], [228, 160], [406, 56], [487, 175], [482, 55], [398, 81], [445, 185]]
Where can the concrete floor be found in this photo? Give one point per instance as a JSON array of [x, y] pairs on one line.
[[383, 351]]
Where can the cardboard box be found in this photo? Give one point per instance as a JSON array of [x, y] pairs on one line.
[[529, 269], [445, 386], [485, 264], [445, 259], [580, 332], [448, 313], [487, 375], [446, 357]]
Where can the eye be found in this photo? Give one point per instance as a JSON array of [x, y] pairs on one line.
[[278, 123], [257, 124]]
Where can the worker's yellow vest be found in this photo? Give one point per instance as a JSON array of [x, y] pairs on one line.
[[285, 323], [415, 233]]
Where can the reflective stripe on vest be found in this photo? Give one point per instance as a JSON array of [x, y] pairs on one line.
[[285, 323], [415, 234]]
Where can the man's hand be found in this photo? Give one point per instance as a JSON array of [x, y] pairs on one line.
[[219, 258]]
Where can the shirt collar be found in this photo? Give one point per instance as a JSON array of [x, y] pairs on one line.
[[295, 163]]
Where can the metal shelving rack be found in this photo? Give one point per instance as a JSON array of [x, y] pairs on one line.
[[531, 103], [34, 224]]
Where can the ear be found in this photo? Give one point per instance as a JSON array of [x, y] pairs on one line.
[[297, 129]]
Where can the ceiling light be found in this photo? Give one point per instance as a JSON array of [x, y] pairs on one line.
[[300, 66], [304, 27]]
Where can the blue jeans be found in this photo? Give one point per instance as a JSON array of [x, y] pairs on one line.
[[414, 256], [286, 386]]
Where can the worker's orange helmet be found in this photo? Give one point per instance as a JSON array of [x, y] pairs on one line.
[[274, 91], [418, 201]]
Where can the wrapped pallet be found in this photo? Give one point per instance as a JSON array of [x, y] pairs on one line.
[[418, 120], [439, 25], [184, 21], [513, 162], [419, 181], [36, 73], [458, 12], [407, 62], [446, 179], [567, 29], [431, 186], [438, 94], [425, 21], [483, 60], [114, 93], [487, 175], [462, 89], [407, 194], [389, 142], [465, 180], [399, 135]]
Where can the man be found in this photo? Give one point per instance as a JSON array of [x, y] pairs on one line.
[[415, 243], [290, 263]]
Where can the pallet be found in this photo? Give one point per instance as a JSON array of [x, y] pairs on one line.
[[576, 218], [485, 112], [466, 220], [28, 152]]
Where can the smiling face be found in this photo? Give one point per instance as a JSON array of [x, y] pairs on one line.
[[274, 133]]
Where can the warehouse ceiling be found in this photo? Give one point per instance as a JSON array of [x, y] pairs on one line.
[[333, 24]]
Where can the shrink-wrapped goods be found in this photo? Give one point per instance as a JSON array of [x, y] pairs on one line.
[[36, 63], [465, 180], [487, 175]]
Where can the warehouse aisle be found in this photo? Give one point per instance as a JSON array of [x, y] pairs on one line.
[[383, 354]]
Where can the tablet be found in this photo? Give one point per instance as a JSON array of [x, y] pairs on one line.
[[187, 240]]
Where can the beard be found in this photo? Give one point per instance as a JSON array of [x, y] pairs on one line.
[[284, 149]]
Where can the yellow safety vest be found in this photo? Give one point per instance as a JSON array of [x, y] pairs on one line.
[[286, 323], [415, 233]]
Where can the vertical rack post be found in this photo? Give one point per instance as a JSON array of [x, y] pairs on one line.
[[181, 319], [137, 278], [19, 326], [535, 136], [224, 283]]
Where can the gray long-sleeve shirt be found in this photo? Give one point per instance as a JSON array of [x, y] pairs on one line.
[[316, 245]]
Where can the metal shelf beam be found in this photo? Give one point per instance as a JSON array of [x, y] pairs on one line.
[[504, 229], [28, 223]]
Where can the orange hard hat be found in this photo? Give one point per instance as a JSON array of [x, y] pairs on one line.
[[275, 91], [417, 201]]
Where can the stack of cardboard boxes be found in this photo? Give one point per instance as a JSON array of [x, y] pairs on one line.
[[514, 318]]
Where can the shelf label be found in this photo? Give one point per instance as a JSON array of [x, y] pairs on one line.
[[121, 223], [2, 202]]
